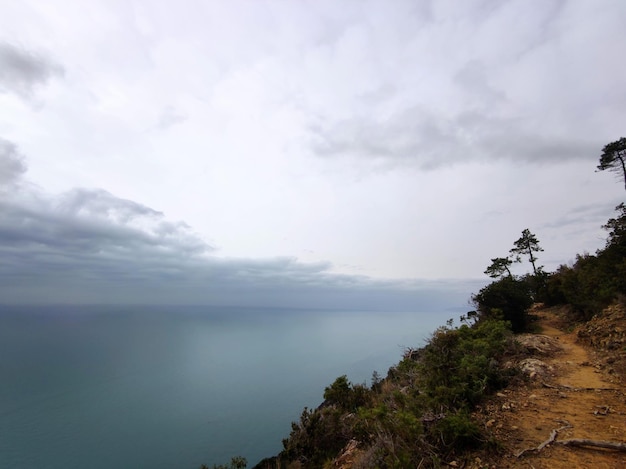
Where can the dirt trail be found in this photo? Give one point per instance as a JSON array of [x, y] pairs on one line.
[[561, 396]]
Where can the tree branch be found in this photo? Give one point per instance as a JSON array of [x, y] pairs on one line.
[[583, 442], [572, 388], [550, 440], [576, 442]]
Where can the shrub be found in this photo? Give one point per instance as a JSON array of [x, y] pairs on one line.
[[457, 431], [459, 366], [318, 436], [508, 299], [593, 281], [236, 462], [415, 415], [345, 395]]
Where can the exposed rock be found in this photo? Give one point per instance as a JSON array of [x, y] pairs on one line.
[[536, 344], [534, 368], [606, 330], [606, 333], [346, 459]]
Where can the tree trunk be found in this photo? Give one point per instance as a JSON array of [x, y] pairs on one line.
[[532, 258], [621, 160]]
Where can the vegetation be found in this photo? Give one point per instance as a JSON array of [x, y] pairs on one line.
[[527, 244], [509, 299], [421, 414], [235, 463], [613, 158], [499, 266], [593, 281], [590, 284], [509, 296]]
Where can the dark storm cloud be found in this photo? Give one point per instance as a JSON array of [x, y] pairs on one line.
[[22, 71], [93, 221], [88, 245], [51, 254], [12, 164]]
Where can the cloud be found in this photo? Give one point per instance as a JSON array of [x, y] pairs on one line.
[[170, 117], [473, 78], [481, 82], [420, 138], [289, 114], [94, 222], [89, 246], [12, 164], [584, 214], [22, 71]]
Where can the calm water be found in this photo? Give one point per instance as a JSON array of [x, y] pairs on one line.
[[175, 388]]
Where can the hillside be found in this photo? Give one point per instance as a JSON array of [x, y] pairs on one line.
[[564, 395], [573, 388], [488, 393]]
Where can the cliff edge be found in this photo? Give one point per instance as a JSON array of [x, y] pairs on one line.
[[571, 403]]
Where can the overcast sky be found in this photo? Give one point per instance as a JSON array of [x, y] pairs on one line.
[[300, 153]]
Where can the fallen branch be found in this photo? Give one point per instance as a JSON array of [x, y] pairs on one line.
[[581, 442], [550, 440], [572, 388], [577, 442]]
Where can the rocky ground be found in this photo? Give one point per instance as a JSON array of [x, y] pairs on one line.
[[571, 390], [567, 401]]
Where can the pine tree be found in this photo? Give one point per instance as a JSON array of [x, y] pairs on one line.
[[526, 245]]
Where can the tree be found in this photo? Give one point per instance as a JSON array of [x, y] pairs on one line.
[[526, 245], [499, 266], [593, 281], [508, 298], [614, 158], [617, 228]]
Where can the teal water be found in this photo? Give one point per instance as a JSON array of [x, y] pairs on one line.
[[105, 387]]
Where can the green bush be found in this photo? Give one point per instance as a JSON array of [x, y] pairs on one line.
[[457, 431], [593, 281], [419, 413], [345, 395], [236, 462], [508, 299], [318, 436], [459, 366]]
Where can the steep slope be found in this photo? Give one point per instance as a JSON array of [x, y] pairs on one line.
[[571, 393]]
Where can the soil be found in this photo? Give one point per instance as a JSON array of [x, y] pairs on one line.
[[570, 387]]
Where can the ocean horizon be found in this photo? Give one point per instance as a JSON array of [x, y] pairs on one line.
[[178, 386]]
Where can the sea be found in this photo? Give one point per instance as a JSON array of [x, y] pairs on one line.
[[178, 386]]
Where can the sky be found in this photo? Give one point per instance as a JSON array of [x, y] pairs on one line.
[[352, 154]]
